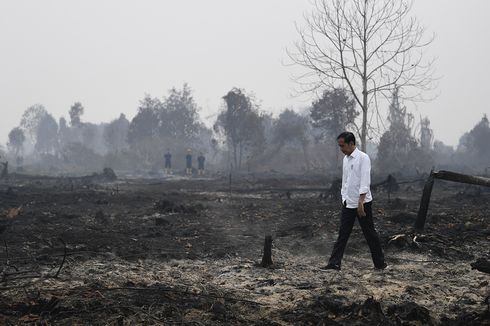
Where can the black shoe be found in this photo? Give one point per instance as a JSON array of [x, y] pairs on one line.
[[382, 267], [330, 267]]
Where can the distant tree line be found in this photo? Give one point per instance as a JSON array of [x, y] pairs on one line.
[[243, 137]]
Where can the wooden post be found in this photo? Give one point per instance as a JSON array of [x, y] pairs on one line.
[[267, 258], [424, 202]]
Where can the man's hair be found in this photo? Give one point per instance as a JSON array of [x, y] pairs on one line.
[[348, 137]]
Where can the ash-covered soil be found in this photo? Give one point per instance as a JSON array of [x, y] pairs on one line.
[[187, 251]]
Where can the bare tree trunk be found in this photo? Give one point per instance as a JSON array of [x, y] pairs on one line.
[[305, 154], [364, 131], [240, 157], [235, 155], [364, 81]]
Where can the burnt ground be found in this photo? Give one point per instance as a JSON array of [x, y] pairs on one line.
[[180, 251]]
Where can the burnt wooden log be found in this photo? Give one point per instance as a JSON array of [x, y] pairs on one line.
[[463, 178], [443, 175], [481, 265], [267, 257]]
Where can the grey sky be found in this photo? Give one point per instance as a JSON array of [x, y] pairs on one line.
[[108, 53]]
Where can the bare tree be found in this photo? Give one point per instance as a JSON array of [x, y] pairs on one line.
[[368, 46]]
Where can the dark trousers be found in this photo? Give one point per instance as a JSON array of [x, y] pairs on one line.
[[347, 222]]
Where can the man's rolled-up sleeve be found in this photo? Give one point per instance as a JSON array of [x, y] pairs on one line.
[[365, 175]]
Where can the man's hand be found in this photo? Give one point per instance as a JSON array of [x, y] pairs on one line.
[[360, 210], [360, 206]]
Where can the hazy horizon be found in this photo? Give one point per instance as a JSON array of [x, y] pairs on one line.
[[109, 54]]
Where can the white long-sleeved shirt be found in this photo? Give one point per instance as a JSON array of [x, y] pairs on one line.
[[356, 178]]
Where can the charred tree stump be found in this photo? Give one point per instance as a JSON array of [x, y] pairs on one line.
[[443, 175], [267, 257]]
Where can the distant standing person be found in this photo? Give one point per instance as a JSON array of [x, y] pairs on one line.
[[356, 202], [200, 163], [188, 162], [168, 162]]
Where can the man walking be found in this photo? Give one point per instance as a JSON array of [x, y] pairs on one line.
[[356, 202]]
